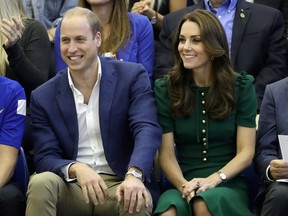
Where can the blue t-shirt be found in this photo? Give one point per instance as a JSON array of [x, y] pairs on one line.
[[12, 112]]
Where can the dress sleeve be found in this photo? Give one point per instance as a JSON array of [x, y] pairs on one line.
[[163, 105], [246, 104]]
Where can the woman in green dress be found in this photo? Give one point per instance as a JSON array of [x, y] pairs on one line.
[[207, 112]]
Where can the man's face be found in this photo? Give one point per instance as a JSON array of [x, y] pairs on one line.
[[79, 48]]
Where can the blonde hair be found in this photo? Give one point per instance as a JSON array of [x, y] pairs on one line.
[[9, 9], [120, 26]]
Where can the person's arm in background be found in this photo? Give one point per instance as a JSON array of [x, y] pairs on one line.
[[270, 125], [29, 56], [8, 159], [144, 7], [176, 5]]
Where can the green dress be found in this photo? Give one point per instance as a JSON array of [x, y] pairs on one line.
[[205, 145]]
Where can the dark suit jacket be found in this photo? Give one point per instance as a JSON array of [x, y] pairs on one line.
[[258, 45], [128, 120], [273, 121]]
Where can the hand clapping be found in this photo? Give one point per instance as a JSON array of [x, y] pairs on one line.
[[11, 30]]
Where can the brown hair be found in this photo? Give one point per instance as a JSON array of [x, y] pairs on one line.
[[221, 97], [120, 23]]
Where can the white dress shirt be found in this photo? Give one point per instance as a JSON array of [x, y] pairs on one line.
[[90, 146]]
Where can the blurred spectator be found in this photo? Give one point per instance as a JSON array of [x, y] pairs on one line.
[[125, 36], [49, 12], [269, 163], [12, 122], [24, 56]]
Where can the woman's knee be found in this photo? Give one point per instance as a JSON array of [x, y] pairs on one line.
[[200, 207], [171, 211]]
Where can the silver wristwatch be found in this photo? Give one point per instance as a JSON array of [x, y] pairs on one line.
[[222, 176], [136, 174]]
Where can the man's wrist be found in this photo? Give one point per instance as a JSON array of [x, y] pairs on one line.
[[268, 174], [136, 172]]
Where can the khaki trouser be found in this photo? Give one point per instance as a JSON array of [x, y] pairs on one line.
[[49, 195]]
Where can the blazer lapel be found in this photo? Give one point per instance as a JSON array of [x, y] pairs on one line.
[[107, 90], [241, 19], [65, 101]]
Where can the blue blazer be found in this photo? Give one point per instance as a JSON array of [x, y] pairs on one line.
[[128, 121], [273, 121], [139, 48]]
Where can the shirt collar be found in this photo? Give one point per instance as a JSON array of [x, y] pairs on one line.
[[71, 84], [228, 4]]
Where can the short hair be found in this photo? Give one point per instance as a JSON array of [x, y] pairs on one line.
[[92, 18]]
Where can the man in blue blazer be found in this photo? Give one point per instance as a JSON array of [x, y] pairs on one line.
[[95, 131], [268, 158], [257, 45]]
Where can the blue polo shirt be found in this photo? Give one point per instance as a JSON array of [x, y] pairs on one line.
[[12, 112]]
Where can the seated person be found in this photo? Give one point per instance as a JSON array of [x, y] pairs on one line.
[[24, 56], [208, 110], [12, 122], [254, 34], [95, 131], [272, 198]]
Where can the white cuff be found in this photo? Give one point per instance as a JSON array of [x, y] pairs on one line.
[[65, 171], [267, 174]]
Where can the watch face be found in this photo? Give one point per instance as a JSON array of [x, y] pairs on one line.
[[137, 174], [222, 176], [153, 20]]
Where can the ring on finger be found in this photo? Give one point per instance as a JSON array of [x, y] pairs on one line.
[[198, 184]]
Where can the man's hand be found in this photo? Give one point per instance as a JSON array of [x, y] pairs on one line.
[[93, 186], [133, 191], [279, 169]]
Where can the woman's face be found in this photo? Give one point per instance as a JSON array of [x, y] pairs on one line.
[[191, 47], [99, 2]]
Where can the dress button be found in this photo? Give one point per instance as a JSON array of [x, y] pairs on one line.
[[203, 131], [204, 139], [203, 102], [203, 112], [204, 159], [203, 121], [203, 94], [204, 152], [204, 143]]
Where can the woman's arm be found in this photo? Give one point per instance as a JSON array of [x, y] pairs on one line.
[[169, 163], [244, 155], [246, 138], [29, 59], [8, 159]]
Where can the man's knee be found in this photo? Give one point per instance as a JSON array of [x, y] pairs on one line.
[[43, 184], [278, 193]]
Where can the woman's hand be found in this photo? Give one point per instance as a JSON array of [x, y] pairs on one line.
[[11, 30], [197, 185]]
